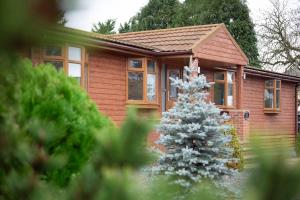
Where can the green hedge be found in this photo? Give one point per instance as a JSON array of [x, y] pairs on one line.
[[72, 119]]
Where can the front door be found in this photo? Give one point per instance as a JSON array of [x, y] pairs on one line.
[[172, 91]]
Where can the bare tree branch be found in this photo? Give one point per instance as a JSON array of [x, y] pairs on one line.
[[279, 36]]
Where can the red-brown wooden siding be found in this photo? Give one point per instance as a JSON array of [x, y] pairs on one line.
[[107, 84], [282, 123], [220, 47]]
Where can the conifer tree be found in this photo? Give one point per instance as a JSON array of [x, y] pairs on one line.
[[106, 27], [157, 14], [192, 134]]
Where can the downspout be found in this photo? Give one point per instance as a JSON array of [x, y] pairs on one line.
[[296, 109], [191, 60]]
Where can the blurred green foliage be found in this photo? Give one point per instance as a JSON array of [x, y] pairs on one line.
[[119, 153], [21, 161], [275, 177], [298, 145], [22, 23], [58, 101], [237, 150]]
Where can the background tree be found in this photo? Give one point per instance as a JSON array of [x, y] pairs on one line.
[[157, 14], [233, 13], [106, 27], [279, 34], [124, 28]]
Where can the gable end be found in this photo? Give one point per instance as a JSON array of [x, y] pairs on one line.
[[220, 46]]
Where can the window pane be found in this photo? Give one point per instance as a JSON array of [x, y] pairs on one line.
[[75, 71], [53, 51], [74, 53], [57, 64], [151, 87], [277, 98], [219, 76], [230, 95], [173, 93], [151, 66], [278, 84], [269, 83], [219, 93], [269, 98], [135, 63], [230, 77], [135, 85]]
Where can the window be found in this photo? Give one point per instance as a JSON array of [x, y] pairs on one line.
[[67, 58], [151, 81], [75, 65], [135, 85], [54, 55], [142, 81], [272, 95], [224, 89]]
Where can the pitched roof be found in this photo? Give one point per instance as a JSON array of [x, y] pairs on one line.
[[173, 39]]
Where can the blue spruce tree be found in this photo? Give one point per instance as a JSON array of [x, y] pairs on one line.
[[192, 133]]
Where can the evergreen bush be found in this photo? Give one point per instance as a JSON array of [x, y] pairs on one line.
[[21, 161], [50, 97], [238, 163], [192, 133]]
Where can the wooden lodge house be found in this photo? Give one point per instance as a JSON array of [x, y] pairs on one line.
[[128, 69]]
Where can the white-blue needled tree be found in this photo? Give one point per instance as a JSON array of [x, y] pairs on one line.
[[192, 133]]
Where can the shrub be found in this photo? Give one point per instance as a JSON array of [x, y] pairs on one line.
[[237, 151], [298, 144], [21, 162], [52, 98]]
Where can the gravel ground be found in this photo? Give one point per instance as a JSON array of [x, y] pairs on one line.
[[235, 183]]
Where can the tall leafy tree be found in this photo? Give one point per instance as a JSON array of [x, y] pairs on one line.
[[233, 13], [157, 14], [106, 27]]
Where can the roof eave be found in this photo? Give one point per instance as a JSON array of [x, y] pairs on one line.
[[96, 42], [271, 75]]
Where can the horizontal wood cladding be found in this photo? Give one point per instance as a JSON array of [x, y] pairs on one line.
[[282, 123], [107, 74], [220, 47]]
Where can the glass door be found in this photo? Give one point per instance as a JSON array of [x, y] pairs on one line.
[[172, 91]]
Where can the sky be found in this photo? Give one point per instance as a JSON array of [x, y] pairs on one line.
[[88, 12]]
